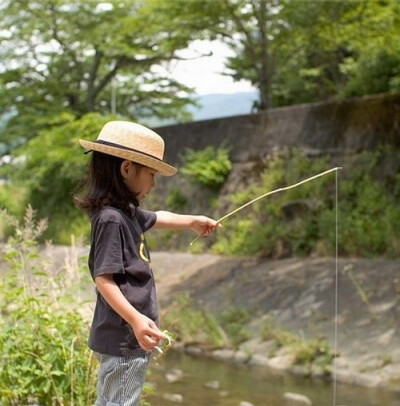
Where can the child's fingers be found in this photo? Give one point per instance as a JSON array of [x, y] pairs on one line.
[[155, 332], [211, 228]]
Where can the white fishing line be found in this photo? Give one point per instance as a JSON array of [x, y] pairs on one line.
[[335, 335]]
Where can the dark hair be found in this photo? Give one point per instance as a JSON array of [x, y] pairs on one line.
[[105, 185]]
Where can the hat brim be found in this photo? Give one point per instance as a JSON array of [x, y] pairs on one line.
[[161, 167]]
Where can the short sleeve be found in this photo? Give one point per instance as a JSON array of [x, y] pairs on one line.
[[146, 218], [106, 249]]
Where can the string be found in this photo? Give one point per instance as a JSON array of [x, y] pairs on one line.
[[268, 194], [335, 340]]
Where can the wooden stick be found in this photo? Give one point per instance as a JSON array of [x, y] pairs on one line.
[[268, 194]]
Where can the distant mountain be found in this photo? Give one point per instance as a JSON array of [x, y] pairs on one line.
[[213, 105], [222, 105]]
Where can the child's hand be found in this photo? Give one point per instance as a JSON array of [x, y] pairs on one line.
[[203, 225], [147, 333]]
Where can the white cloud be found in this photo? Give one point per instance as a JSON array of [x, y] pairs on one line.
[[204, 73]]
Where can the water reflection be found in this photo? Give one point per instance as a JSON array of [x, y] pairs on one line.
[[205, 382]]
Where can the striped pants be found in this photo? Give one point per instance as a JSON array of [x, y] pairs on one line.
[[120, 379]]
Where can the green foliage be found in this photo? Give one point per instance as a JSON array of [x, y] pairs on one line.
[[12, 198], [371, 74], [314, 352], [192, 325], [233, 321], [208, 167], [306, 51], [84, 57], [44, 356], [175, 200], [271, 331], [306, 352], [54, 167], [301, 221]]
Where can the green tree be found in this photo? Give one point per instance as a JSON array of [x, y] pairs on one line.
[[305, 51], [248, 28], [286, 49], [52, 171], [82, 56], [64, 66], [308, 51], [375, 43], [337, 49]]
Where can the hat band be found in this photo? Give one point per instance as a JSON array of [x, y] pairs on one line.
[[112, 144]]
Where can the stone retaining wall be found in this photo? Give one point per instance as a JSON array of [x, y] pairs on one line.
[[337, 126]]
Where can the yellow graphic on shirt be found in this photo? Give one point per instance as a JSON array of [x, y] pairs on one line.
[[143, 250]]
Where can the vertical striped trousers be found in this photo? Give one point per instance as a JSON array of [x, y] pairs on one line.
[[120, 379]]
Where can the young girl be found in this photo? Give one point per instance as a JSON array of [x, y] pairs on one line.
[[125, 159]]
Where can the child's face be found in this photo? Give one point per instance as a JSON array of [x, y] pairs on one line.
[[139, 179]]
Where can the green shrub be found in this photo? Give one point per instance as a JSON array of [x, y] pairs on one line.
[[233, 321], [368, 210], [208, 167], [44, 355], [175, 200]]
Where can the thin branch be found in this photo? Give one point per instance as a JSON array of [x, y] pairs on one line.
[[281, 189]]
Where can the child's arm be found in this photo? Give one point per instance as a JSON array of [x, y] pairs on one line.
[[200, 224], [146, 331]]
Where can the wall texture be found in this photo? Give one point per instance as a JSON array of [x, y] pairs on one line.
[[329, 127]]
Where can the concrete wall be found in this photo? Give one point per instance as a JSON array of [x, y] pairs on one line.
[[355, 124]]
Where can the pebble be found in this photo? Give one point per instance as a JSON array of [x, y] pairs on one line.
[[174, 375], [212, 385], [295, 399], [173, 397]]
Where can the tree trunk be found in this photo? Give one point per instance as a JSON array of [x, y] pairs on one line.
[[262, 17]]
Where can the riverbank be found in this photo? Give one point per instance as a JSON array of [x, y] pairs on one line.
[[299, 294]]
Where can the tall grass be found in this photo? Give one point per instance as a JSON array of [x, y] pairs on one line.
[[44, 356]]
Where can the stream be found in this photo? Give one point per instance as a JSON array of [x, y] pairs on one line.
[[206, 382]]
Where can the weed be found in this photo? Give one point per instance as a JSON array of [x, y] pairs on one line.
[[306, 353], [193, 325], [233, 321], [44, 356], [362, 294]]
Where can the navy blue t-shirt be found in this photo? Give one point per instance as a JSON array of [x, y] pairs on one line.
[[118, 248]]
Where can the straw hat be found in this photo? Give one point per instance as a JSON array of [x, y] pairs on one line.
[[133, 142]]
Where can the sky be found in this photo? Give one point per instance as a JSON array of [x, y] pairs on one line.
[[204, 73]]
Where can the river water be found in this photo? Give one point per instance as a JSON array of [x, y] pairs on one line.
[[206, 382]]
